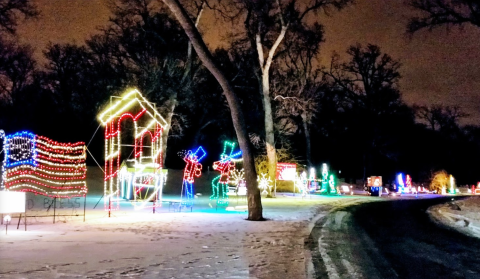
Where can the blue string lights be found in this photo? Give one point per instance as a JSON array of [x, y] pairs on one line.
[[193, 169], [224, 166], [42, 166]]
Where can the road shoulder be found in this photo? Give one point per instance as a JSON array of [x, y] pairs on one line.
[[459, 215]]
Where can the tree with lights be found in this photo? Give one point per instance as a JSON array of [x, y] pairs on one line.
[[439, 182]]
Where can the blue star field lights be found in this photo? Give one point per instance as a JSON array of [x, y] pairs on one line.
[[36, 164], [20, 149]]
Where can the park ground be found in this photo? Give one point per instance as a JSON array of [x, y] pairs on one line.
[[208, 242]]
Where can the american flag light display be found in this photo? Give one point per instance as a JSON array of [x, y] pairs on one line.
[[42, 166]]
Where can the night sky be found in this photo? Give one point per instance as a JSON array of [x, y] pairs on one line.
[[439, 67]]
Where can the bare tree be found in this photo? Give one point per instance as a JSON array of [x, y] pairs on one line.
[[448, 13], [297, 84], [267, 24], [12, 10], [254, 199], [144, 44], [17, 68], [16, 62], [439, 117], [198, 6], [369, 84]]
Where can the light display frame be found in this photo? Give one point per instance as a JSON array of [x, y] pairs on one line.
[[147, 121]]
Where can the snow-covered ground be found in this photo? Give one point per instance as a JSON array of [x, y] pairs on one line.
[[205, 243], [462, 215]]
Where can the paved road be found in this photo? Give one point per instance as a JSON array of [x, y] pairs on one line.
[[391, 239]]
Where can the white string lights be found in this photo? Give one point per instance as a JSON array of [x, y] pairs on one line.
[[143, 180], [42, 166]]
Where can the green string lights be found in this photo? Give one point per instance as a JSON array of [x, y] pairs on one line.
[[224, 166]]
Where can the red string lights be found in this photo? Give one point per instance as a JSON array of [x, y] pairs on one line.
[[145, 183], [42, 166]]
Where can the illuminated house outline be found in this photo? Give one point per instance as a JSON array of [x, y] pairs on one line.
[[147, 168]]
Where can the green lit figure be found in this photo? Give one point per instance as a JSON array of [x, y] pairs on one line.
[[224, 166], [331, 183], [325, 186]]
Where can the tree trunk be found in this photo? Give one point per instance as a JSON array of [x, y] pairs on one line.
[[254, 199], [166, 131], [267, 105], [188, 70], [307, 140], [269, 131]]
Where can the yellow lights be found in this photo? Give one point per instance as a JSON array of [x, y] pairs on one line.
[[139, 179], [112, 107], [146, 128], [129, 99]]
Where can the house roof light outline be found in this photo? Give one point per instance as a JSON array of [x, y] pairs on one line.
[[126, 101]]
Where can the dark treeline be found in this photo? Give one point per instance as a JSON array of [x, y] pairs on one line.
[[349, 114]]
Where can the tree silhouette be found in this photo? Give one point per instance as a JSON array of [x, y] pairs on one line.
[[367, 84], [12, 10], [448, 13]]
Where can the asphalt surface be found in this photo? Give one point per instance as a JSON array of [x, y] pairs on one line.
[[391, 239]]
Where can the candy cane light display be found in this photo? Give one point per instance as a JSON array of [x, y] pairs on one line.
[[39, 165], [144, 183]]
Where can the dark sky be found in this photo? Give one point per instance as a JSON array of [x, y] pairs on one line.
[[439, 67]]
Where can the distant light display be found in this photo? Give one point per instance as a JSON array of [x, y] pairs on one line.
[[264, 183], [286, 171], [302, 183], [332, 184], [42, 166], [452, 185], [325, 188], [237, 176], [400, 180], [408, 181], [312, 182]]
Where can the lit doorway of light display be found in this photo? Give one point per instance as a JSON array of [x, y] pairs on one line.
[[133, 151]]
